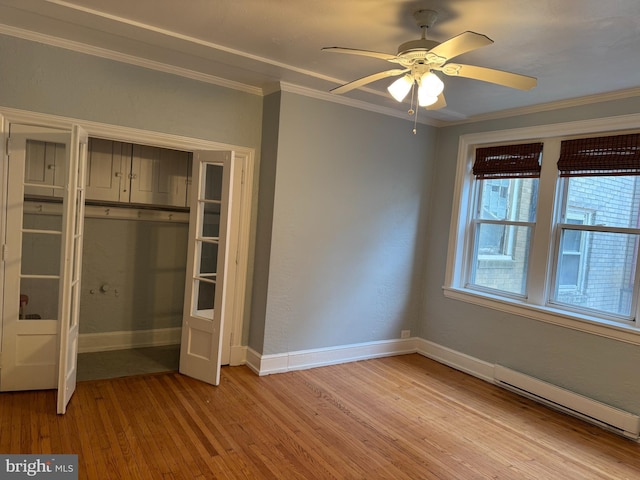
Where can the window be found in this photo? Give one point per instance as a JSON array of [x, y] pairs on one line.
[[504, 218], [599, 175], [550, 228]]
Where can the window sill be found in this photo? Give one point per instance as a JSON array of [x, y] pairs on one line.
[[583, 323]]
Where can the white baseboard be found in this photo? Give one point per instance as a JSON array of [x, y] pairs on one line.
[[569, 402], [100, 342], [454, 359], [303, 359], [238, 355]]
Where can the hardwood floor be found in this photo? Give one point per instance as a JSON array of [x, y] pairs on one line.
[[403, 417]]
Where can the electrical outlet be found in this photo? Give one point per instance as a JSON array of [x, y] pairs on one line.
[[405, 333]]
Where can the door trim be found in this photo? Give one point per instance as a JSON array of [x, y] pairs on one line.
[[245, 156]]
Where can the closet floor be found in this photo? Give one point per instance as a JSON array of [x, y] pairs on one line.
[[123, 363]]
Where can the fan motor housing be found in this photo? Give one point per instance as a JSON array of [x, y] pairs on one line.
[[423, 45]]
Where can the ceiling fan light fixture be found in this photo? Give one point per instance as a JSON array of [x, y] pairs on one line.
[[400, 88], [431, 84], [425, 99]]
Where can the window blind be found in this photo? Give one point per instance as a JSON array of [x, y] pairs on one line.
[[612, 155], [508, 161]]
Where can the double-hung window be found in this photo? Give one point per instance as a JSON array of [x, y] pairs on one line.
[[504, 216], [598, 226], [550, 227]]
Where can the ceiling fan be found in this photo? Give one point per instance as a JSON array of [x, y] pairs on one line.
[[419, 59]]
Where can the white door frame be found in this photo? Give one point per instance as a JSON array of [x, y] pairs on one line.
[[3, 204], [245, 158]]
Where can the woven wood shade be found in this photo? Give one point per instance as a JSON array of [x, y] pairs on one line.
[[613, 155], [508, 161]]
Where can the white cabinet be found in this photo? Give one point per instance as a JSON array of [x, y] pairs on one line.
[[159, 176], [108, 165], [130, 173], [116, 172], [44, 167]]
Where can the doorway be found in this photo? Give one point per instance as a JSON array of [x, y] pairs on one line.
[[135, 257], [231, 327]]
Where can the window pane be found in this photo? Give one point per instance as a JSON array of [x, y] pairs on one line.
[[603, 274], [212, 188], [42, 295], [208, 258], [501, 258], [508, 199], [205, 298], [612, 201], [211, 220], [40, 254]]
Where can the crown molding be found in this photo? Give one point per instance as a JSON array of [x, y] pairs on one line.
[[549, 106], [124, 58], [329, 97]]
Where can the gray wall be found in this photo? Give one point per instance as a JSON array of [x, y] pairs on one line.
[[594, 366], [268, 163], [46, 79], [347, 234], [143, 263]]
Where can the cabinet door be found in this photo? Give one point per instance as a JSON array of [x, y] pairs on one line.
[[44, 166], [108, 165], [159, 176]]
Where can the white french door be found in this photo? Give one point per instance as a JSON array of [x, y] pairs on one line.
[[71, 258], [42, 258], [208, 266]]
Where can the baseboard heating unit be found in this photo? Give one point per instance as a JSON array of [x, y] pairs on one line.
[[606, 416]]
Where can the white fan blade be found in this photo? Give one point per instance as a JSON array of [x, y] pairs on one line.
[[441, 103], [368, 79], [366, 53], [463, 43], [508, 79]]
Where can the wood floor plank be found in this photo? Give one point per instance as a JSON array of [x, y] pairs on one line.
[[404, 417]]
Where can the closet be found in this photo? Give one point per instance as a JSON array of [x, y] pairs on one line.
[[108, 245], [136, 226]]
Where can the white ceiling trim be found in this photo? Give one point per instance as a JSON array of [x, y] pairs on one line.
[[546, 107], [329, 97], [124, 58], [196, 41]]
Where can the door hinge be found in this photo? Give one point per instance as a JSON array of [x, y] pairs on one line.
[[242, 178], [7, 145], [4, 252]]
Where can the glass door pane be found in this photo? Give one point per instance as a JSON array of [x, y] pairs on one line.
[[208, 240]]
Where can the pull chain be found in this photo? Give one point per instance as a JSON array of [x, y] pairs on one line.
[[411, 110]]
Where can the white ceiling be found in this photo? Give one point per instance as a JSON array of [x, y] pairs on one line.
[[575, 48]]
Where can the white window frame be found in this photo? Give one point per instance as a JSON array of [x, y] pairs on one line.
[[535, 305]]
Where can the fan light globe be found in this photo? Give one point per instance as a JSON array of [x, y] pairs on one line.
[[432, 85], [400, 87], [424, 99]]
